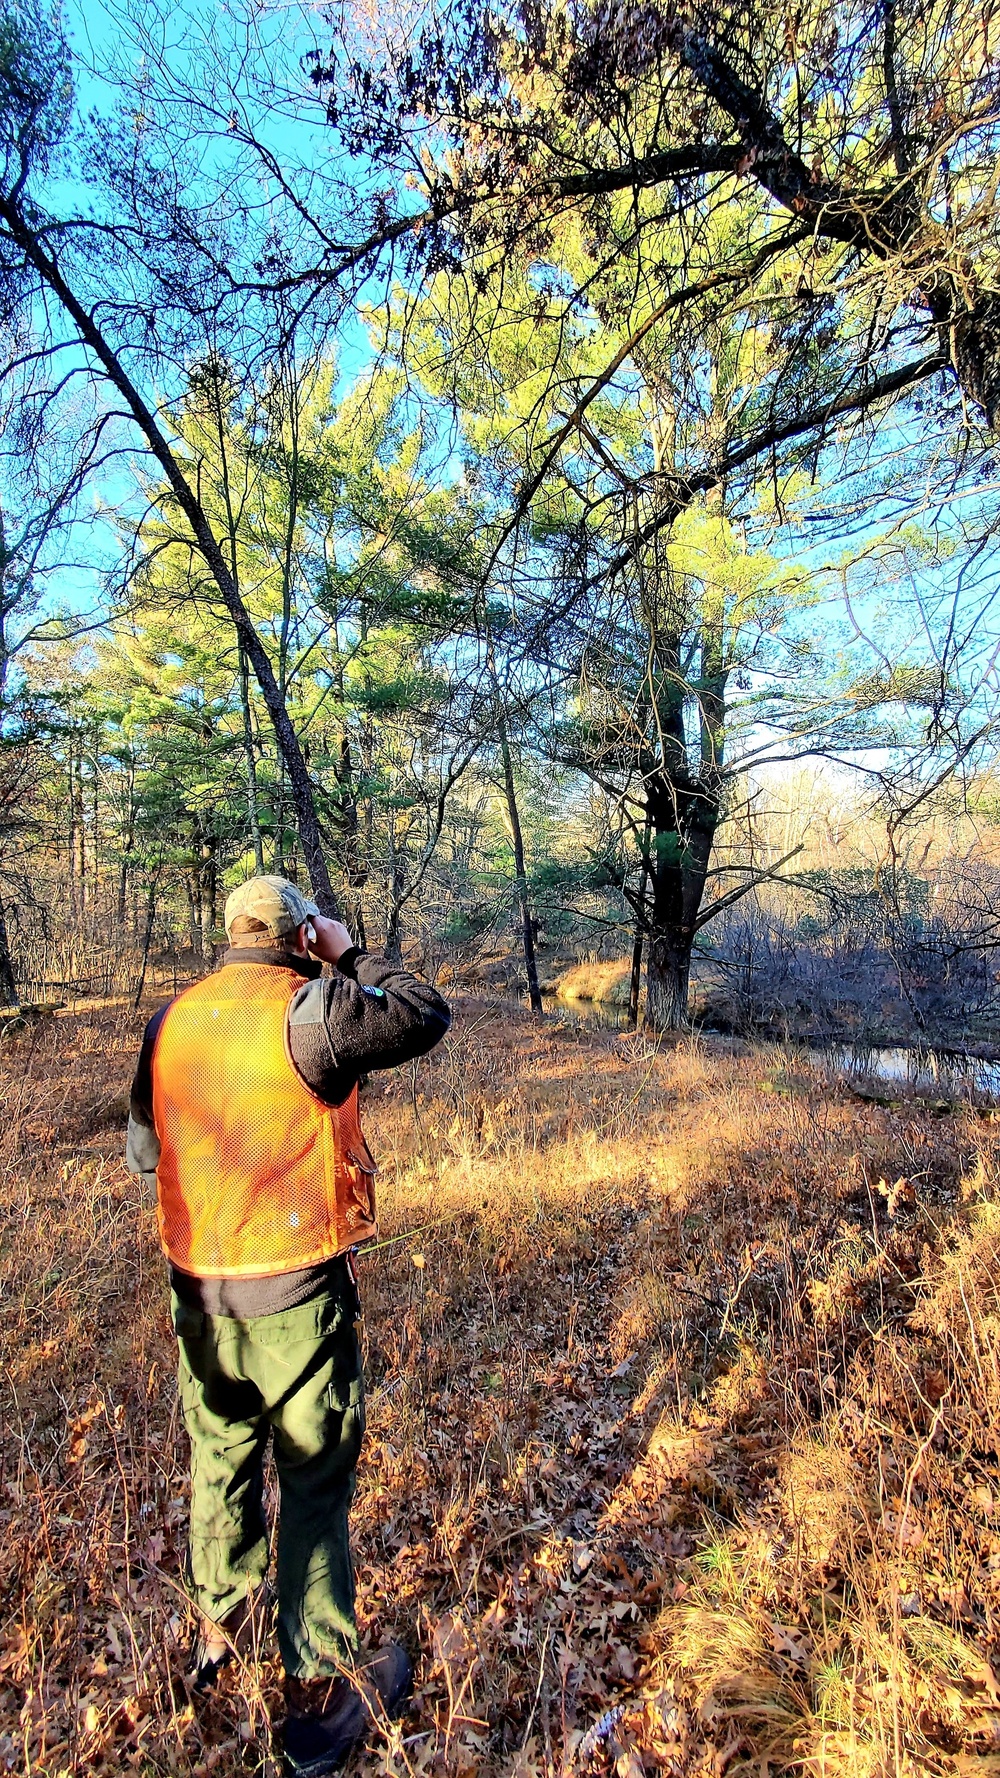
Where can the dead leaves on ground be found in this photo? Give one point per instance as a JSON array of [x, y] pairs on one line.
[[651, 1484]]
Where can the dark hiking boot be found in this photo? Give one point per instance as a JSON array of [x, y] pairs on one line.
[[329, 1718]]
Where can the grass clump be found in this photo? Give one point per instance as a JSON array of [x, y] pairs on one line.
[[607, 982]]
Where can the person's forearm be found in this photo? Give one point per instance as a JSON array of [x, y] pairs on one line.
[[142, 1149], [142, 1144]]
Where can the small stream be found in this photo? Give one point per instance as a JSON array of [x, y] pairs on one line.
[[940, 1073]]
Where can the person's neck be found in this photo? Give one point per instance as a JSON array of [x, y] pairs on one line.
[[273, 956]]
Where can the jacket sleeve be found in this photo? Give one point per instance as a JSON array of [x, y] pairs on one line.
[[142, 1144], [346, 1025]]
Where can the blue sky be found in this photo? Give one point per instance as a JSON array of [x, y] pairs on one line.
[[76, 585], [96, 36]]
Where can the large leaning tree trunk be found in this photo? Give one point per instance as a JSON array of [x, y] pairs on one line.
[[111, 368]]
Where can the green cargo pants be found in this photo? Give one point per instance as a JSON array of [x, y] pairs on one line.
[[296, 1375]]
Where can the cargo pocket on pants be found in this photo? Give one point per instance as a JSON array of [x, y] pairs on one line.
[[188, 1323]]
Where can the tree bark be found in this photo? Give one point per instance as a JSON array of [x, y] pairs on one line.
[[520, 874], [192, 885], [354, 862], [253, 811], [671, 936], [78, 842], [395, 886], [635, 977], [683, 812], [208, 876], [8, 986], [253, 794], [147, 936], [278, 843], [668, 974], [128, 837]]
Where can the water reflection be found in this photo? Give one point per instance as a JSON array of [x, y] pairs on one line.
[[951, 1076], [941, 1072]]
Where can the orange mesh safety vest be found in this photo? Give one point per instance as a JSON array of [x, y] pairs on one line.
[[257, 1175]]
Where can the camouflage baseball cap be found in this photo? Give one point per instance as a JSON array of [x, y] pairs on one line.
[[275, 902]]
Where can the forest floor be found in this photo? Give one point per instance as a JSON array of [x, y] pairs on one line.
[[684, 1389]]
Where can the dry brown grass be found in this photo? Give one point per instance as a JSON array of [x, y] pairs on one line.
[[691, 1410], [596, 981]]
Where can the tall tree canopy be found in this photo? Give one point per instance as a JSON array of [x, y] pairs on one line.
[[484, 397]]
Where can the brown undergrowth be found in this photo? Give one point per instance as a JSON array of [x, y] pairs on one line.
[[683, 1403]]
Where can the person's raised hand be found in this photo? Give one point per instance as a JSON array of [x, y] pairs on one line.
[[331, 941]]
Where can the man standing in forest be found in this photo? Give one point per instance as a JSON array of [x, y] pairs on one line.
[[245, 1113]]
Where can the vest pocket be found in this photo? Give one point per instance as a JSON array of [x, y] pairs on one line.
[[359, 1192], [366, 1166]]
